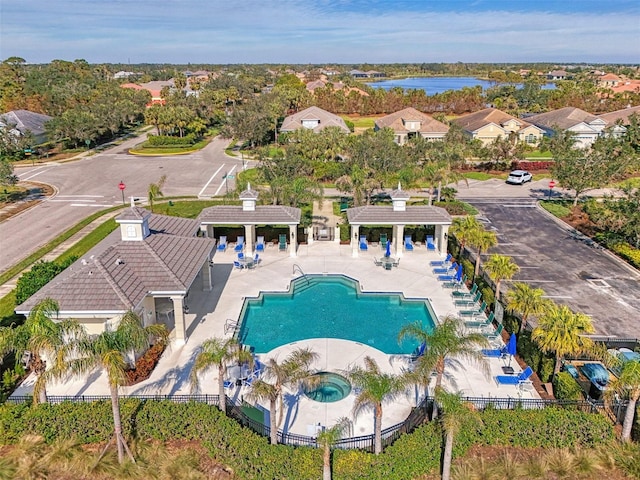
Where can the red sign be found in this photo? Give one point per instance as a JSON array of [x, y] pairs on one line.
[[552, 184], [121, 186]]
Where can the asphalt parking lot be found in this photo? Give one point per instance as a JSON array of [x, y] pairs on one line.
[[569, 269]]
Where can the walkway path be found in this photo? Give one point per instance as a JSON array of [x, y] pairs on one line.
[[323, 216]]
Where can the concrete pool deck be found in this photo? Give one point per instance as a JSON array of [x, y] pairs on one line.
[[209, 311]]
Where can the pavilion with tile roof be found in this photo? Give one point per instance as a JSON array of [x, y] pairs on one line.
[[148, 265], [398, 215], [250, 215]]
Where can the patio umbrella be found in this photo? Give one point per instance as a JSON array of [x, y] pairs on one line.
[[388, 252], [511, 347]]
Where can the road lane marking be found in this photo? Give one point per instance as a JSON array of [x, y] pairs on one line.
[[211, 179], [91, 205], [71, 200], [95, 196], [34, 175]]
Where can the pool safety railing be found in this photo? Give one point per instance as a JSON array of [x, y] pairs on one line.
[[297, 267]]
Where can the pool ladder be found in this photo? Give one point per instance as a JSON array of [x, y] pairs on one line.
[[304, 275]]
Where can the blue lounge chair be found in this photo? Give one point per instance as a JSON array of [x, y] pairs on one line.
[[430, 244], [239, 245], [222, 243], [474, 313], [228, 384], [419, 351], [441, 263], [408, 244], [454, 283], [363, 243], [495, 352], [260, 244], [468, 302], [446, 269], [514, 379], [460, 294]]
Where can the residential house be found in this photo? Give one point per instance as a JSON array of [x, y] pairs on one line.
[[154, 88], [557, 75], [313, 118], [585, 126], [409, 122], [490, 123], [618, 121], [609, 80], [22, 122]]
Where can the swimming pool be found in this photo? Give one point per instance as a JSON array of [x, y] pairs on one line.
[[331, 306]]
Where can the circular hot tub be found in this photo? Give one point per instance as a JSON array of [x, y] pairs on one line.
[[330, 387]]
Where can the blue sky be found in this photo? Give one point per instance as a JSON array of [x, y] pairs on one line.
[[321, 31]]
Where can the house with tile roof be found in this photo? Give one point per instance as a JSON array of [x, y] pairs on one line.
[[22, 122], [313, 118], [409, 123], [620, 116], [148, 265], [585, 126], [490, 123]]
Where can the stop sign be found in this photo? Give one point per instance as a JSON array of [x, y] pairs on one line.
[[552, 184]]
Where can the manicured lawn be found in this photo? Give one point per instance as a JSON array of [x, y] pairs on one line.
[[173, 150], [482, 176], [538, 155], [558, 208], [362, 122]]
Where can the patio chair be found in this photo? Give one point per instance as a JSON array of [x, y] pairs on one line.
[[446, 269], [514, 379], [408, 243], [383, 241], [256, 259], [474, 313], [441, 263], [468, 302], [282, 245], [458, 294], [363, 243], [239, 245], [222, 243], [396, 263], [260, 244], [238, 265], [429, 242], [377, 262], [240, 256]]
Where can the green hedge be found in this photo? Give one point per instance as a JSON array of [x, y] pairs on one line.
[[565, 387], [166, 140], [252, 457]]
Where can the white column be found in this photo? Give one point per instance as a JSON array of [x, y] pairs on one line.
[[398, 240], [293, 241], [442, 232], [309, 231], [178, 316], [206, 276], [210, 231], [355, 234], [249, 238], [149, 312]]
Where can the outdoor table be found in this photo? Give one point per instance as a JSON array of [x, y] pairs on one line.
[[388, 262], [247, 262], [508, 370], [238, 373]]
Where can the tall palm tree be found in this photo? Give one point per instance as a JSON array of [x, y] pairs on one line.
[[376, 387], [561, 331], [500, 267], [327, 438], [483, 240], [447, 339], [628, 385], [109, 352], [455, 414], [463, 229], [218, 352], [46, 340], [526, 300], [261, 390], [155, 190]]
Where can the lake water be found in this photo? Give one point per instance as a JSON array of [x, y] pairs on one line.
[[433, 85]]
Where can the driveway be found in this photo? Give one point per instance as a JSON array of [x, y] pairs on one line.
[[586, 278]]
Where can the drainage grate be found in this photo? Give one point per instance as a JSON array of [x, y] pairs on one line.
[[598, 282]]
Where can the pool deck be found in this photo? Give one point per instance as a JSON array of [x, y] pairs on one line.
[[209, 311]]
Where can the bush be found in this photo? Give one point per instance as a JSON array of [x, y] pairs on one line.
[[40, 274], [170, 141], [532, 166], [626, 251], [565, 387], [540, 362]]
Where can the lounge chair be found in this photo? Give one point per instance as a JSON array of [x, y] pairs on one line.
[[363, 243], [495, 352], [496, 335], [454, 283], [429, 242], [514, 379], [468, 302], [240, 256], [260, 244], [239, 245], [408, 244], [480, 324], [383, 241], [446, 269], [441, 263], [462, 294], [419, 351], [282, 242], [222, 243], [474, 313], [238, 265]]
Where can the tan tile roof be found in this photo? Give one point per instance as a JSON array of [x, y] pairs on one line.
[[396, 121], [623, 115], [263, 215], [475, 121], [385, 215], [564, 118], [327, 119]]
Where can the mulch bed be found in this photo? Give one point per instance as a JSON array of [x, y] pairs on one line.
[[145, 364]]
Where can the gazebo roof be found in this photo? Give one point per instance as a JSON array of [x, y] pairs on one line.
[[386, 215], [262, 215]]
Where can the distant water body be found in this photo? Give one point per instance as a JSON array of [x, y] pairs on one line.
[[433, 85]]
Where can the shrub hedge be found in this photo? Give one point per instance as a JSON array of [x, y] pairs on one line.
[[252, 457], [166, 140]]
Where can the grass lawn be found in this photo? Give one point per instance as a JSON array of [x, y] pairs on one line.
[[361, 122], [558, 208], [482, 176], [144, 149], [538, 155]]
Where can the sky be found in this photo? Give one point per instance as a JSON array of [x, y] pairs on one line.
[[321, 31]]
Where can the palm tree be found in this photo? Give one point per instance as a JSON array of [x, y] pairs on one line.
[[526, 300], [628, 385], [217, 352], [261, 390], [464, 229], [455, 414], [561, 331], [46, 340], [155, 190], [500, 267], [327, 438], [446, 339], [375, 387], [483, 240], [109, 352]]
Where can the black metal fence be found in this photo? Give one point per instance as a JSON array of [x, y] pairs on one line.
[[613, 410]]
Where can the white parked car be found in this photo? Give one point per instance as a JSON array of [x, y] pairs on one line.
[[519, 177]]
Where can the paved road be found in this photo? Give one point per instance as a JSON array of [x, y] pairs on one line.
[[569, 270], [90, 184]]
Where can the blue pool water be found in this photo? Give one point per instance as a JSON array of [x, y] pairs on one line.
[[330, 306]]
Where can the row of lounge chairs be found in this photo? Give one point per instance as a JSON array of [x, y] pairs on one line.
[[239, 247], [408, 243]]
